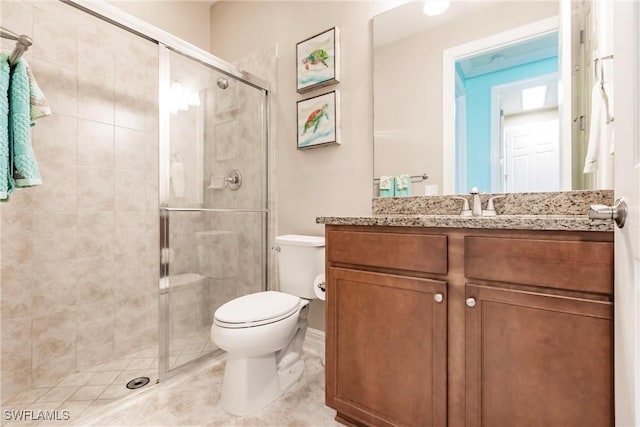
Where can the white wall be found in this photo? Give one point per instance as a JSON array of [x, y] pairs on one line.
[[188, 20]]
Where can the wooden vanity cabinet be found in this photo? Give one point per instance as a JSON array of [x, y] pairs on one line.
[[386, 345], [534, 359], [539, 332], [460, 327]]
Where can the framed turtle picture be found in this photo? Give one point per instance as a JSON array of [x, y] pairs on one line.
[[319, 120], [318, 60]]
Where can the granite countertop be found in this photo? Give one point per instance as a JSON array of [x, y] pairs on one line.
[[505, 222]]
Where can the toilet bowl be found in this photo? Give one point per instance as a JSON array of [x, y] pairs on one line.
[[263, 333]]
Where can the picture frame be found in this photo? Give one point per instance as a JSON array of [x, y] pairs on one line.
[[318, 120], [318, 60]]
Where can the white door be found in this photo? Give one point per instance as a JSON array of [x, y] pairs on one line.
[[532, 157], [627, 185]]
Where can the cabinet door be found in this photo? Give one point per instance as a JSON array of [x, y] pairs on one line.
[[386, 348], [537, 360]]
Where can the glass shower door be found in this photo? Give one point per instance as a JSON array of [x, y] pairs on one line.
[[213, 201]]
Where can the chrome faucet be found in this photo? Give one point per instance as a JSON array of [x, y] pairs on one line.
[[465, 211], [491, 210], [476, 209]]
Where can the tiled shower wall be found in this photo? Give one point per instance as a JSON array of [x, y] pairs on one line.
[[234, 141], [79, 253], [225, 248]]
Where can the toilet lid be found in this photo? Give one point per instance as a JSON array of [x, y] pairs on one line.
[[258, 307]]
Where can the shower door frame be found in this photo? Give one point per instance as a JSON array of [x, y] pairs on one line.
[[169, 43], [164, 53]]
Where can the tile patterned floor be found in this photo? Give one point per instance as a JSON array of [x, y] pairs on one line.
[[89, 391], [85, 391], [193, 398]]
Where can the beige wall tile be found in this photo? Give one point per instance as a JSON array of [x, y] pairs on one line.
[[152, 191], [94, 356], [152, 219], [130, 280], [95, 144], [124, 344], [152, 150], [54, 236], [58, 190], [130, 232], [21, 202], [17, 235], [54, 284], [95, 234], [54, 337], [131, 189], [95, 323], [129, 110], [14, 381], [95, 189], [56, 39], [94, 279], [60, 86], [130, 149], [95, 63], [16, 290], [16, 343], [95, 102], [49, 372], [54, 139]]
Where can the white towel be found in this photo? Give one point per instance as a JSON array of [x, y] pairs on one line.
[[600, 130], [386, 182], [403, 182], [177, 178]]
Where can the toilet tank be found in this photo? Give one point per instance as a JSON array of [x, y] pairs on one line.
[[300, 260]]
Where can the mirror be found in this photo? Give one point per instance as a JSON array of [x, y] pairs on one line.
[[451, 95]]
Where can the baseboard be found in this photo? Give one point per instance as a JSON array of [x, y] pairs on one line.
[[314, 342]]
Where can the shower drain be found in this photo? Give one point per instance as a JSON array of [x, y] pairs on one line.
[[138, 382]]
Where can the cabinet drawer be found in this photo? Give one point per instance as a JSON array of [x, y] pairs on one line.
[[571, 265], [413, 252]]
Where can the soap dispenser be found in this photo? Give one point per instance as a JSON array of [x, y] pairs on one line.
[[476, 209]]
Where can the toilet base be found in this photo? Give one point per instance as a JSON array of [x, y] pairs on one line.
[[251, 383]]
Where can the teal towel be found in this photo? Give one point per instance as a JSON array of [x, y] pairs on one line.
[[25, 170], [387, 186], [5, 176], [403, 185]]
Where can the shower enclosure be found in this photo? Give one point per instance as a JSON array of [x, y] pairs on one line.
[[213, 199], [153, 208]]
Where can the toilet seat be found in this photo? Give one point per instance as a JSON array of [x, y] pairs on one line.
[[256, 309]]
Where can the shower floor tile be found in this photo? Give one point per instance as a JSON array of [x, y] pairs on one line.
[[86, 392]]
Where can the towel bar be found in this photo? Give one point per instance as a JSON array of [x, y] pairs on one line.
[[22, 44], [414, 178]]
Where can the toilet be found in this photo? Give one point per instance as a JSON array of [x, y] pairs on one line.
[[263, 333]]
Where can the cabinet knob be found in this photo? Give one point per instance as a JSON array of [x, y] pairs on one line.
[[438, 297], [471, 302]]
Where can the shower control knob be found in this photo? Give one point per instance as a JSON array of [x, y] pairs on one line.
[[471, 302], [438, 297]]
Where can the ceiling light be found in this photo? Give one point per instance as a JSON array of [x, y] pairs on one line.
[[534, 97], [435, 7]]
